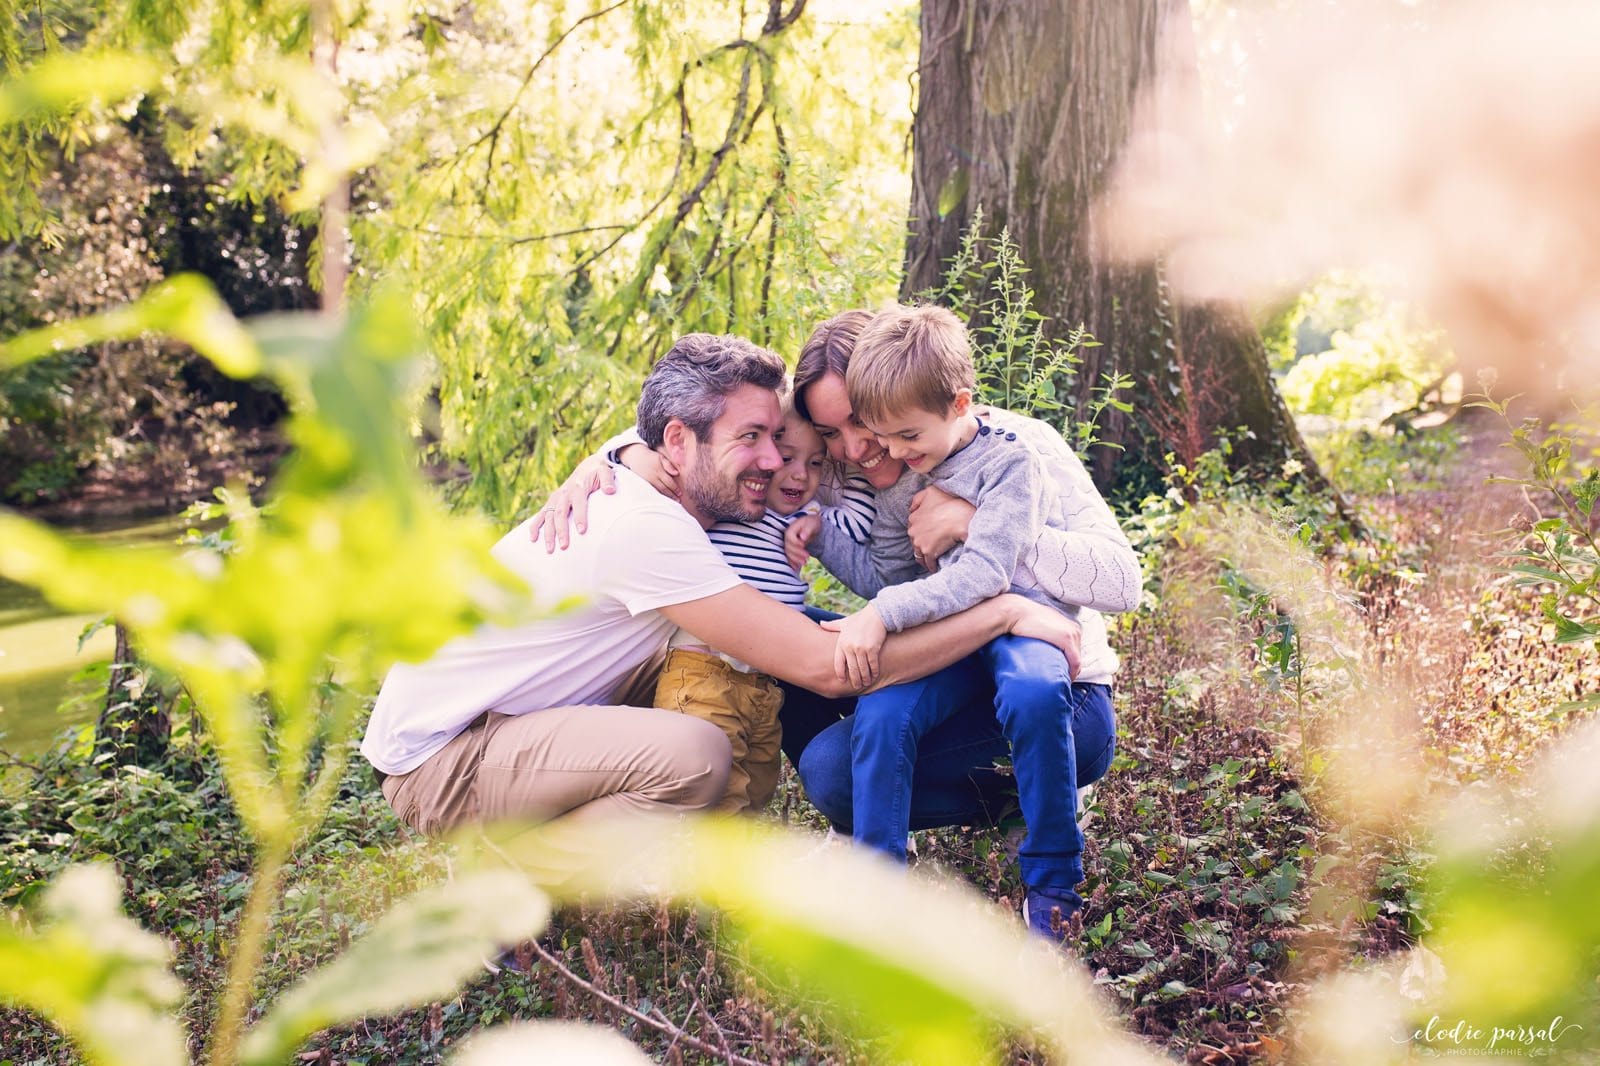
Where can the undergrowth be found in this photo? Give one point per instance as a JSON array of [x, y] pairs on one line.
[[1218, 883]]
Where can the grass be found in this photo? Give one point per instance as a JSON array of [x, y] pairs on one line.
[[1220, 881]]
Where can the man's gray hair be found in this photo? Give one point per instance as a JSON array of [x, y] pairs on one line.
[[692, 382]]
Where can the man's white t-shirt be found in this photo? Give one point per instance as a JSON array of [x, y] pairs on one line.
[[641, 552]]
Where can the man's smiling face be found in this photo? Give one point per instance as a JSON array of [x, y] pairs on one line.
[[728, 474]]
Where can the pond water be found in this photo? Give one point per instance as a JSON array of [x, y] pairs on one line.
[[47, 683]]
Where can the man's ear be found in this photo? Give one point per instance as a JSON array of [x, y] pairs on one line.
[[675, 439], [962, 402]]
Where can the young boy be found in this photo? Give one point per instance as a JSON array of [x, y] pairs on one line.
[[911, 382], [727, 693]]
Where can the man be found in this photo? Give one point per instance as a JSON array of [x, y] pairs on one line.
[[550, 718]]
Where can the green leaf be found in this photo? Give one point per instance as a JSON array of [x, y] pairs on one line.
[[1587, 491], [1537, 574], [185, 308], [1592, 700], [1572, 631], [422, 950], [352, 376], [514, 1045], [927, 967], [94, 973], [65, 83]]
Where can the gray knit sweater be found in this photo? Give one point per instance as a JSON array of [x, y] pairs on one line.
[[1041, 529]]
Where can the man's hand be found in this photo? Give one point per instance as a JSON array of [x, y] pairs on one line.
[[798, 537], [569, 504], [1051, 626], [938, 522], [861, 637]]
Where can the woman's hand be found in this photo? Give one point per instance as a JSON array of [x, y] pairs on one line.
[[1051, 626], [567, 509], [861, 637], [938, 523], [797, 539], [569, 504]]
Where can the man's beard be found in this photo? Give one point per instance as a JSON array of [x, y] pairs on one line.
[[719, 499]]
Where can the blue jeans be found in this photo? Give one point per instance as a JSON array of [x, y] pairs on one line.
[[921, 755]]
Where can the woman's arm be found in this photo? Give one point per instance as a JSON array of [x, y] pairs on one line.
[[567, 509]]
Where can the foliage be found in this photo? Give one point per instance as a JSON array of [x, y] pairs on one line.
[[1020, 365], [138, 409], [1559, 554], [718, 169], [1357, 369], [94, 972], [727, 169]]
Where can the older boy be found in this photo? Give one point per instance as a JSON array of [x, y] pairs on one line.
[[911, 381]]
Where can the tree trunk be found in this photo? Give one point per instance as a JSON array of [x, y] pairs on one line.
[[1023, 107], [134, 726]]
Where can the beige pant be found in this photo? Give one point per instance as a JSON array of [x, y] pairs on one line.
[[569, 762], [744, 706]]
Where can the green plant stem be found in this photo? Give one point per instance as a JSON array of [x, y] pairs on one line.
[[247, 952], [1300, 709]]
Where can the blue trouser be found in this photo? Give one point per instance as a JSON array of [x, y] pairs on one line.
[[922, 754]]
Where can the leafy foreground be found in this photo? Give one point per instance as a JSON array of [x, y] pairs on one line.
[[1224, 881]]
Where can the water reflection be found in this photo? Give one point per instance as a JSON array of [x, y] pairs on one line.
[[41, 692]]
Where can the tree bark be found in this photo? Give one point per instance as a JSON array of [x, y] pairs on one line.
[[1023, 107], [133, 729]]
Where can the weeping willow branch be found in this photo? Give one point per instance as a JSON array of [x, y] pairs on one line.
[[493, 134]]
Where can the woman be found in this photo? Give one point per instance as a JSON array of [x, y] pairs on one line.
[[954, 780]]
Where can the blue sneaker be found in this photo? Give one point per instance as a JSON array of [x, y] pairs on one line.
[[1048, 912]]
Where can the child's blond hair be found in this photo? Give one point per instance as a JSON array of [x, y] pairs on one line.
[[909, 357]]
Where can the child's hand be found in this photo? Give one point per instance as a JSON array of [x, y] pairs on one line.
[[654, 467], [797, 539], [861, 637], [1051, 626]]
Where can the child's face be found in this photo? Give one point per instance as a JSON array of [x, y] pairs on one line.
[[796, 480], [924, 439]]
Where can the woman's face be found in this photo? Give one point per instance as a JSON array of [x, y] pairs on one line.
[[846, 439]]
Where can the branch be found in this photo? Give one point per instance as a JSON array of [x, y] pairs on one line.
[[528, 238], [493, 136], [730, 140], [8, 759], [659, 1025], [685, 149], [777, 19]]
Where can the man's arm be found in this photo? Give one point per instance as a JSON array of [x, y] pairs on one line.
[[780, 641]]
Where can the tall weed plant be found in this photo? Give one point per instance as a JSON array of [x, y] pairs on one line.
[[1021, 363]]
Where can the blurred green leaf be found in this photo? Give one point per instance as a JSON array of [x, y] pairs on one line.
[[422, 950], [1517, 929], [351, 377], [67, 81], [953, 190], [928, 967], [185, 308], [94, 973]]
